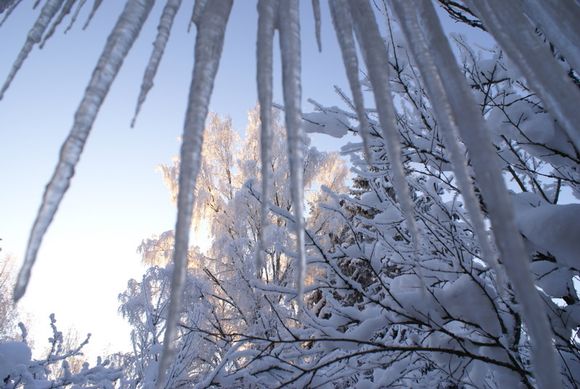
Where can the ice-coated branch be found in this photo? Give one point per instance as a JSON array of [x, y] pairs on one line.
[[376, 58], [118, 45], [211, 28], [342, 21], [163, 31], [47, 13], [267, 16], [458, 108], [506, 21], [289, 26], [448, 125]]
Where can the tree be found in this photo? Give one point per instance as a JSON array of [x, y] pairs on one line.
[[58, 368], [8, 311], [222, 298], [382, 313], [372, 323]]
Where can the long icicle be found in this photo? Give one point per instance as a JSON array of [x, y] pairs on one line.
[[289, 26], [375, 55], [163, 31], [317, 23], [342, 21], [8, 8], [48, 11], [449, 130], [65, 10], [559, 21], [505, 20], [267, 13], [7, 5], [96, 6], [75, 15], [118, 45], [508, 239], [208, 48], [198, 7]]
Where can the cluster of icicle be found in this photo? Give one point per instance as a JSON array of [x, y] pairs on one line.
[[511, 23]]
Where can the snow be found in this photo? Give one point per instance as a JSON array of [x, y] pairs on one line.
[[561, 238], [509, 242], [331, 122], [462, 127], [376, 58], [434, 82], [506, 20], [14, 356], [118, 45]]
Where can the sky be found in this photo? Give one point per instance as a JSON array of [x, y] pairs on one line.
[[117, 198]]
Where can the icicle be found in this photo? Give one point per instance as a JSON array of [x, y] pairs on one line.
[[75, 15], [46, 14], [8, 8], [7, 5], [198, 7], [94, 10], [267, 12], [505, 20], [118, 44], [316, 10], [163, 31], [65, 10], [559, 21], [342, 21], [464, 111], [208, 48], [289, 26], [435, 86], [375, 54]]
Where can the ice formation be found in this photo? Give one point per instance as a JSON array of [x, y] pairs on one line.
[[453, 106], [118, 44], [211, 28]]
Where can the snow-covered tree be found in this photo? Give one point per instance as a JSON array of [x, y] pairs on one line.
[[8, 310], [223, 298], [57, 369], [397, 285]]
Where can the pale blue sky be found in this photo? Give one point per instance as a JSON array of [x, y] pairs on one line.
[[116, 198]]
